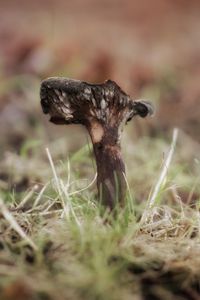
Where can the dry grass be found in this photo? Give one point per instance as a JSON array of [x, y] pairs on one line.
[[58, 243]]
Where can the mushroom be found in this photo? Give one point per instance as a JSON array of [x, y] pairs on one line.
[[103, 109]]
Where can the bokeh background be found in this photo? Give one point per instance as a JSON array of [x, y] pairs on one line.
[[151, 49]]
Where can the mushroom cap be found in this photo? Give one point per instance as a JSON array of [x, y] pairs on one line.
[[70, 101]]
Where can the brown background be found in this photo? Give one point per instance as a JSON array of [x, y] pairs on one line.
[[151, 48]]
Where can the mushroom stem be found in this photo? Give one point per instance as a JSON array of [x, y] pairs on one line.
[[110, 174], [110, 166]]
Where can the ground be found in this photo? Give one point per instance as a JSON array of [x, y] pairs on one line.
[[56, 241]]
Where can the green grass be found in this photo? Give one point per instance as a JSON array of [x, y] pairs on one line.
[[57, 242]]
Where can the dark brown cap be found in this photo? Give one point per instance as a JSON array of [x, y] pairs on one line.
[[70, 101]]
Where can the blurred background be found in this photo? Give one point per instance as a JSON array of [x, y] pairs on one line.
[[151, 49]]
